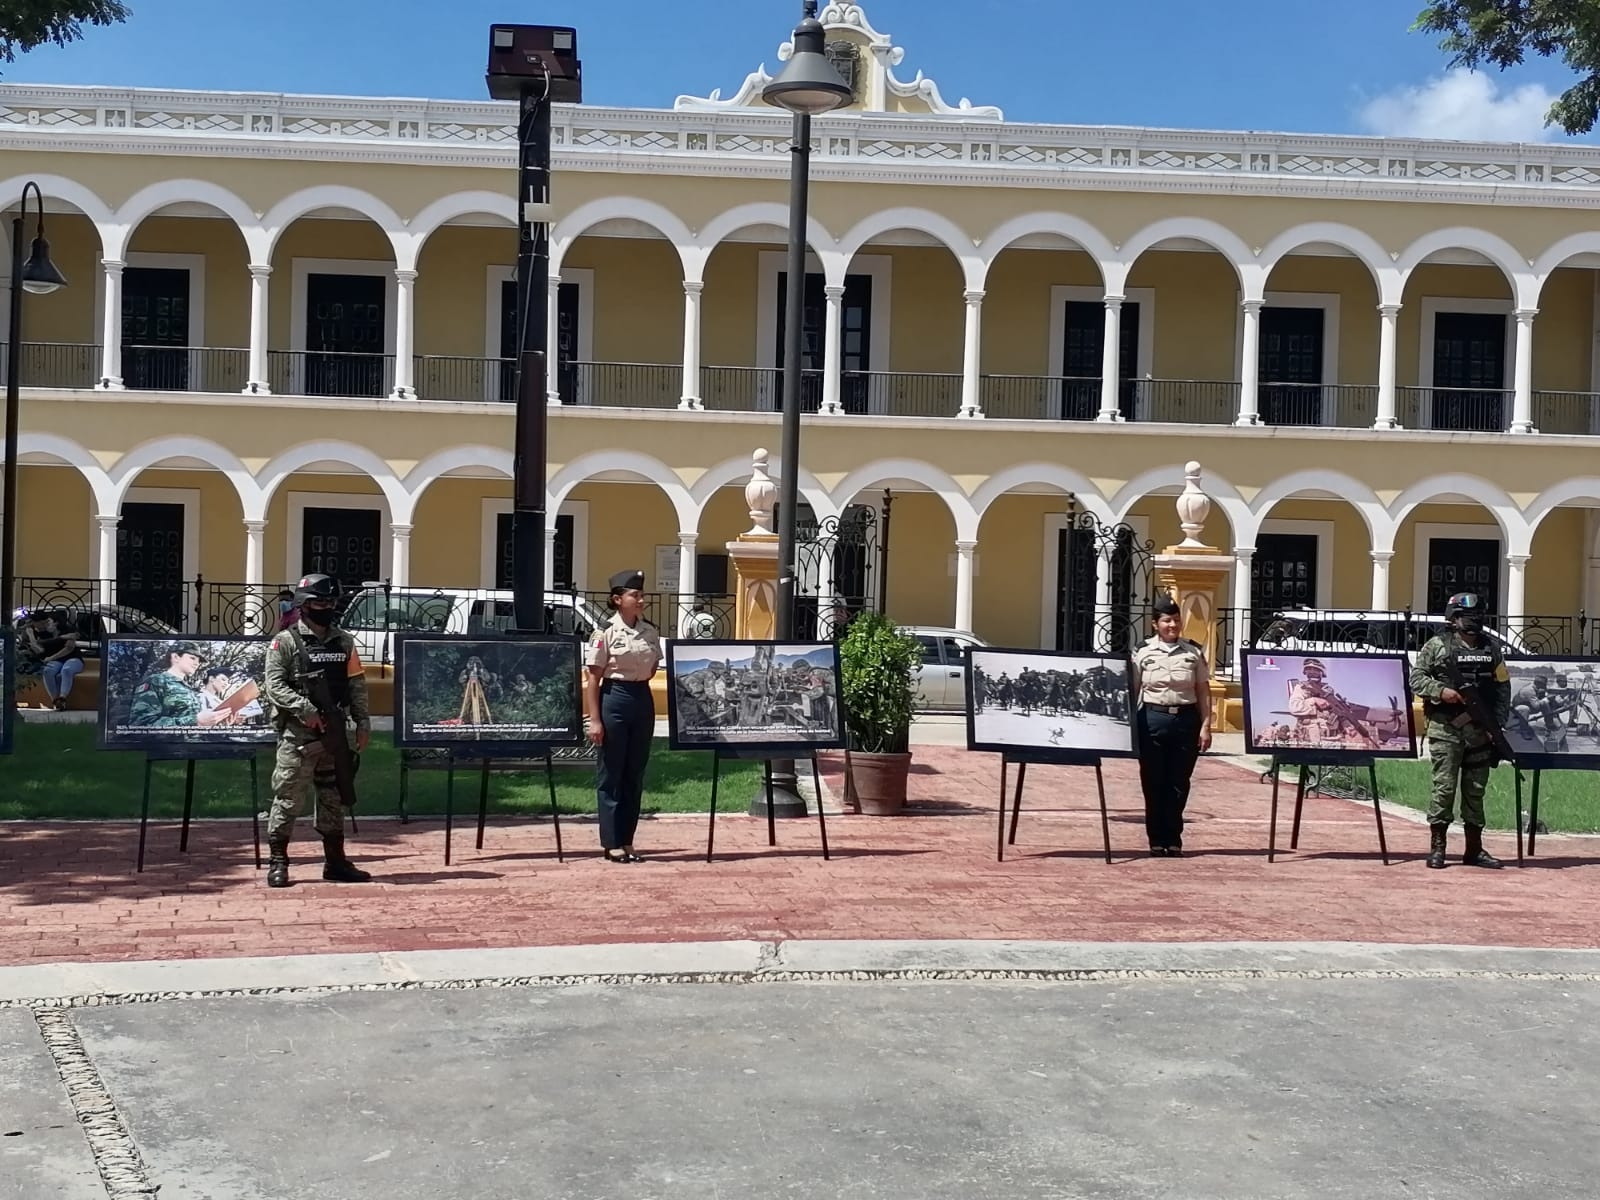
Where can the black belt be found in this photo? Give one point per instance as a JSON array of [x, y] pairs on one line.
[[1170, 709]]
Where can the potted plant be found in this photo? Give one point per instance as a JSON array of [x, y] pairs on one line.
[[877, 671]]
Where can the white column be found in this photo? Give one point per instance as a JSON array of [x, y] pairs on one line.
[[972, 361], [691, 401], [1102, 597], [686, 592], [1388, 359], [107, 555], [1516, 605], [259, 312], [405, 324], [1110, 363], [550, 556], [1244, 558], [552, 356], [1380, 579], [255, 557], [832, 352], [400, 558], [1250, 365], [964, 574], [110, 325], [1522, 397]]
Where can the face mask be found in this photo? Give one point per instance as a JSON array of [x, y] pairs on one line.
[[321, 617]]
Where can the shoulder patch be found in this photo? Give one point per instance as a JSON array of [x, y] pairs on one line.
[[1501, 675]]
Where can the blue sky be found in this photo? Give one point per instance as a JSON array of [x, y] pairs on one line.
[[1334, 66]]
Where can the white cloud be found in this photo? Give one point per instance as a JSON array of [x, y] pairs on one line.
[[1462, 105]]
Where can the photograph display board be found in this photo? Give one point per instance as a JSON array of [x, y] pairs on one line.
[[1555, 713], [1039, 703], [1328, 704], [8, 689], [516, 690], [780, 696], [168, 694]]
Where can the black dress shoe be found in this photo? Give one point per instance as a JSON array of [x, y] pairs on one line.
[[618, 856], [632, 855], [1174, 851], [1158, 851]]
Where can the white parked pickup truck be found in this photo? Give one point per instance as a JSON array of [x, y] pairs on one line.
[[376, 614]]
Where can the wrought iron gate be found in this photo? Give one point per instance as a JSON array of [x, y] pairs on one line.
[[842, 568], [1086, 621]]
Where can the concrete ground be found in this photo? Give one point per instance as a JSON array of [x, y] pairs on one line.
[[816, 1070]]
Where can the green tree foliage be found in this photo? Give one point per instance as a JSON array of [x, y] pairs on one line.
[[527, 684], [877, 667], [25, 24], [1504, 32]]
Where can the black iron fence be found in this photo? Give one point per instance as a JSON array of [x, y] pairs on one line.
[[326, 373], [185, 368], [1341, 405], [1186, 401], [55, 364], [1483, 410], [1566, 412]]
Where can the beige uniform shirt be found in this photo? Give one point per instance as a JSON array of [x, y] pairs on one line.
[[630, 653], [1169, 674]]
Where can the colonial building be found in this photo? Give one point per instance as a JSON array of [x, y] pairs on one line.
[[285, 343]]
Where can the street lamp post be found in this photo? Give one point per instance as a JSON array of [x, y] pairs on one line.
[[41, 277], [808, 86]]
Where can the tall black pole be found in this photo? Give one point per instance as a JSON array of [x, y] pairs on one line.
[[533, 305], [793, 348], [8, 540]]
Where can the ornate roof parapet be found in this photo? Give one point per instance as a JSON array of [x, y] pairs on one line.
[[878, 89]]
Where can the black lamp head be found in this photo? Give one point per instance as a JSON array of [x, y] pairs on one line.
[[808, 85], [39, 275]]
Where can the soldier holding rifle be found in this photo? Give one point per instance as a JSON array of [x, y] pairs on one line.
[[317, 688], [1466, 699]]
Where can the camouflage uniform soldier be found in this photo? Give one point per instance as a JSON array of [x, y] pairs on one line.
[[1459, 748], [164, 699], [303, 764]]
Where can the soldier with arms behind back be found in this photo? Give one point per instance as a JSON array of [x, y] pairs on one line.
[[304, 764], [1458, 745]]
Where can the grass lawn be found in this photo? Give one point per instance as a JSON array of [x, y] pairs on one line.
[[1569, 801], [57, 773]]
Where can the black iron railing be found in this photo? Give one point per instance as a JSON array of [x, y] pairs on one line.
[[64, 365], [622, 385], [1341, 405], [1571, 413], [1482, 410], [1186, 401], [325, 373], [99, 605], [185, 368], [465, 380]]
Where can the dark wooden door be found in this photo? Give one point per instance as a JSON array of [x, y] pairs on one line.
[[1290, 362], [1463, 565], [1083, 359], [150, 561], [344, 335], [155, 328], [1283, 573], [504, 567], [1469, 354], [855, 333], [344, 543], [566, 347]]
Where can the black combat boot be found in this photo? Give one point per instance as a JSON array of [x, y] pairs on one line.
[[336, 868], [1436, 847], [278, 863], [1476, 855]]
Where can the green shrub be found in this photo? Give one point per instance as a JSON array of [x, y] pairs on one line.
[[877, 668]]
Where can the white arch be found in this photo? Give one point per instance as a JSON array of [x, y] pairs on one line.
[[597, 462], [1519, 276], [1388, 279], [56, 187], [1488, 496], [436, 466], [67, 451], [748, 216], [1568, 247], [1075, 229], [150, 200], [935, 225], [149, 454], [1586, 487], [1221, 239], [330, 195], [1315, 479], [737, 471], [1223, 495], [447, 208], [398, 501], [886, 470], [1055, 475], [612, 208]]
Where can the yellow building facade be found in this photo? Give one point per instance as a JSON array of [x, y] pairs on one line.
[[285, 347]]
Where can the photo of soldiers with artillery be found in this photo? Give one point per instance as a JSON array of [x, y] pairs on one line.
[[1555, 708], [1049, 701], [510, 689], [1358, 702], [762, 693], [190, 690]]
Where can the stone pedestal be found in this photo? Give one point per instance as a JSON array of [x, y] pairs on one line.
[[1195, 575]]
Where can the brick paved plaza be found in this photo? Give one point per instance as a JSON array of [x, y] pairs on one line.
[[68, 892]]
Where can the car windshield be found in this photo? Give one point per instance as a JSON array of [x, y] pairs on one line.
[[400, 612]]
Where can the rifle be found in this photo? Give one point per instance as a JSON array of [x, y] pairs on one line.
[[335, 725], [1477, 713]]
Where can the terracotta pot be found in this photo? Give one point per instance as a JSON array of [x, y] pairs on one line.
[[880, 782]]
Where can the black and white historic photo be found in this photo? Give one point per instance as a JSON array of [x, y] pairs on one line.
[[1555, 712], [749, 695], [1047, 702], [518, 689]]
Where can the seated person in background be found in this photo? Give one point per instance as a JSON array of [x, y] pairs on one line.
[[46, 647]]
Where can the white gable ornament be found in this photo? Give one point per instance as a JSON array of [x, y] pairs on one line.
[[874, 78]]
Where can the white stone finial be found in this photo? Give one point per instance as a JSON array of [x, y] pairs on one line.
[[761, 494], [1194, 506]]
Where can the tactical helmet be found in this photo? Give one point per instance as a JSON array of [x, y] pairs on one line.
[[1464, 604], [1314, 664], [317, 587]]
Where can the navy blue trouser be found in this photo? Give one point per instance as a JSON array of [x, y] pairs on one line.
[[628, 712], [1169, 745]]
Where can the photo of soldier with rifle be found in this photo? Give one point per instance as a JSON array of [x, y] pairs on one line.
[[1466, 699]]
